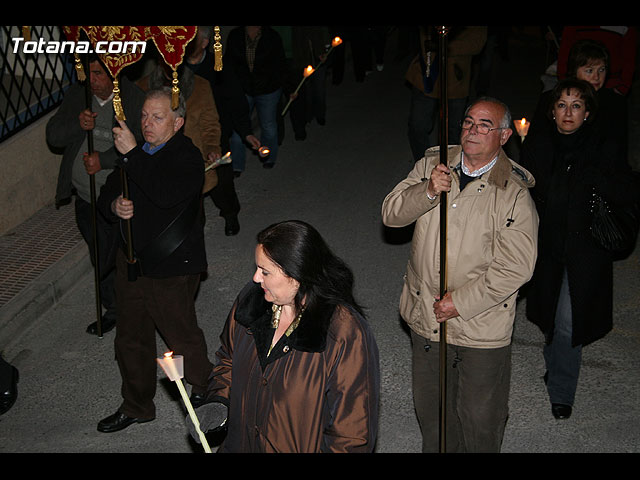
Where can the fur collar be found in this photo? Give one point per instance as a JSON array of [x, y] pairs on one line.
[[254, 313]]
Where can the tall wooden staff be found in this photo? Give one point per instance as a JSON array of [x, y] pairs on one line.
[[94, 217], [444, 147]]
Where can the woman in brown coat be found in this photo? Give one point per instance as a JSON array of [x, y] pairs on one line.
[[297, 369]]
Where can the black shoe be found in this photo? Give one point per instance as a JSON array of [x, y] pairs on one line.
[[561, 411], [107, 325], [9, 396], [197, 399], [231, 226], [118, 421]]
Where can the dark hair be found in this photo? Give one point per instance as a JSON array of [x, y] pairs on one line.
[[587, 93], [584, 52], [302, 254]]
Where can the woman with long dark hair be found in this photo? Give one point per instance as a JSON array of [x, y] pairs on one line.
[[297, 369]]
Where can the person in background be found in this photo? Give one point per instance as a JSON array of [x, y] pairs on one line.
[[423, 79], [67, 129], [589, 60], [233, 111], [256, 56], [9, 377]]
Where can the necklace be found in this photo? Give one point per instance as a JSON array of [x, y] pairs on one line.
[[275, 321]]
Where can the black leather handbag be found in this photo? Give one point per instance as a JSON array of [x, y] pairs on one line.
[[614, 228]]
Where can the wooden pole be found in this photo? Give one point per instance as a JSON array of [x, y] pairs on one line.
[[132, 274], [444, 147], [94, 215]]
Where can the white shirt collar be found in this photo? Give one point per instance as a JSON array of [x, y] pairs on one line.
[[102, 102], [480, 171]]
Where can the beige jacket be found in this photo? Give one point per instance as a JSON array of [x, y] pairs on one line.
[[492, 231]]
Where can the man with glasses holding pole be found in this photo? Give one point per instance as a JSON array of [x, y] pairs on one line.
[[492, 228]]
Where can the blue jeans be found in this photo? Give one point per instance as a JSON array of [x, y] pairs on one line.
[[561, 358], [267, 108]]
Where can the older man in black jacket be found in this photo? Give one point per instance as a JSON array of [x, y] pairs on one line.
[[165, 177]]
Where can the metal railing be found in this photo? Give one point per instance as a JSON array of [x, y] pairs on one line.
[[33, 78]]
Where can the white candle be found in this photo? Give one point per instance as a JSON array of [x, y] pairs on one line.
[[522, 127], [173, 367]]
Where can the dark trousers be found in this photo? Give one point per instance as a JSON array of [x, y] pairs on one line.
[[224, 194], [477, 396], [147, 304], [106, 241]]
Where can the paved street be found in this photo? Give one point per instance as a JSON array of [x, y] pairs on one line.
[[336, 180]]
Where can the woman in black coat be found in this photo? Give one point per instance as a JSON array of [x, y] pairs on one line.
[[571, 293]]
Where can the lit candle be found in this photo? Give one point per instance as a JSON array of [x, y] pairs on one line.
[[522, 127], [174, 367], [305, 73], [264, 151]]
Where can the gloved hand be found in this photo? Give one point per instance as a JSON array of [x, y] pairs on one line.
[[210, 416]]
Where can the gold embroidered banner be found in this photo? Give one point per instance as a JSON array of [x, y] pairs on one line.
[[171, 42]]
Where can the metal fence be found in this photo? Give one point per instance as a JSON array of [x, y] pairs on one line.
[[34, 76]]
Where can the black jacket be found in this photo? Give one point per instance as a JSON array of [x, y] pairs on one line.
[[161, 186], [567, 168], [269, 69]]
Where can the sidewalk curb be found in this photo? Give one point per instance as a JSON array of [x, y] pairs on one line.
[[21, 313]]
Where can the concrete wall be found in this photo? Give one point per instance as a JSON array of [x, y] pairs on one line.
[[28, 175]]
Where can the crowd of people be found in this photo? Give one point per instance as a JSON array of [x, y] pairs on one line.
[[298, 366]]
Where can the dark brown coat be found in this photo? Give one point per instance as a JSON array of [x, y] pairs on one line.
[[317, 391]]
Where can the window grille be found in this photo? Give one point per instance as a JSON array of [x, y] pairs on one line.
[[33, 81]]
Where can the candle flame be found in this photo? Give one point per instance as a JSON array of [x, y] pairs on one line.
[[264, 151], [523, 122], [308, 71], [336, 41], [168, 354]]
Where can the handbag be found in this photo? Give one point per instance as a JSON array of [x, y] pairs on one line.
[[614, 228]]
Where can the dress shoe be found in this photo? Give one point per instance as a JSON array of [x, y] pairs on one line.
[[561, 411], [197, 399], [9, 396], [118, 421], [231, 226], [107, 325]]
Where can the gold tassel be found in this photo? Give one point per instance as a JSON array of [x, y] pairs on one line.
[[117, 101], [79, 68], [175, 92], [217, 50], [26, 33]]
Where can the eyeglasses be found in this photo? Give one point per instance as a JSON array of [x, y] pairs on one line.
[[481, 128]]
